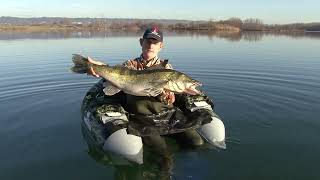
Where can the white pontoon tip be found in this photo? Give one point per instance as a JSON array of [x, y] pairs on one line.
[[126, 145], [214, 133]]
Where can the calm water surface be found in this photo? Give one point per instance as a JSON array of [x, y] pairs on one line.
[[265, 87]]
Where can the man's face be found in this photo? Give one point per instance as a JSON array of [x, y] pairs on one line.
[[150, 48]]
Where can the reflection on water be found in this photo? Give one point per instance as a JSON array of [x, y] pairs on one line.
[[158, 164], [154, 167], [251, 36]]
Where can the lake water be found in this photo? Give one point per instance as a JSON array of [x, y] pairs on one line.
[[265, 87]]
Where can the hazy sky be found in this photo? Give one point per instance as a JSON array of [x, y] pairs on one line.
[[270, 11]]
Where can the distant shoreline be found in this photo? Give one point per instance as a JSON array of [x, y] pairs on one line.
[[55, 27], [61, 28], [47, 24]]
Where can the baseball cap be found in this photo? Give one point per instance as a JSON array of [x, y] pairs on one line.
[[153, 33]]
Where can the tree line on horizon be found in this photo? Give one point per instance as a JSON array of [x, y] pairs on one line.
[[231, 24]]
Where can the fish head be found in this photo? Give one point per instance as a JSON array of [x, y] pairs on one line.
[[185, 84], [192, 87]]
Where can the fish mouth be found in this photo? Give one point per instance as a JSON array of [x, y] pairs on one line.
[[192, 89], [197, 83]]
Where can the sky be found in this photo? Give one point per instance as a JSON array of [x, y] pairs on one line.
[[269, 11]]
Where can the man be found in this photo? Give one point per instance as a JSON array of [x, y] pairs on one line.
[[151, 44]]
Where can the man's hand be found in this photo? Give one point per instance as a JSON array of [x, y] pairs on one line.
[[91, 71], [167, 97]]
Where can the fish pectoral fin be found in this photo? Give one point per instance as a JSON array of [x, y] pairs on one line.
[[156, 92], [152, 91], [155, 88], [110, 90]]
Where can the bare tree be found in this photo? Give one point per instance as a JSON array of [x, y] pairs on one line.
[[252, 24], [234, 21]]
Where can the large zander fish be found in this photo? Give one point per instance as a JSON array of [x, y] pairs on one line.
[[149, 82]]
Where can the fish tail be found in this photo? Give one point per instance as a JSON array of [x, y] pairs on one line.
[[81, 64]]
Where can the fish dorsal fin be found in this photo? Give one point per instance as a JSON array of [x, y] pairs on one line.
[[110, 90], [118, 65], [165, 62], [159, 66], [162, 65]]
